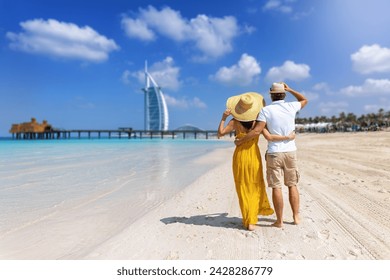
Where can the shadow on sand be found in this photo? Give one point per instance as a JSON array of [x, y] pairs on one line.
[[214, 220]]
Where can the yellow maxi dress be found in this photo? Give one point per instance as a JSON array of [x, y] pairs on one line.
[[249, 181]]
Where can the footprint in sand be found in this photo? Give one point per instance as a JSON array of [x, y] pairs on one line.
[[352, 253], [355, 252], [324, 234], [286, 255], [173, 255], [247, 234], [310, 237], [251, 234], [307, 218], [330, 257]]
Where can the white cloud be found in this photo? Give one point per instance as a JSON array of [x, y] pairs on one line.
[[278, 6], [196, 102], [303, 14], [137, 29], [371, 59], [286, 7], [310, 95], [374, 108], [248, 29], [370, 87], [288, 71], [174, 102], [61, 39], [165, 73], [184, 103], [211, 36], [167, 22], [244, 73], [333, 107], [321, 87], [126, 77]]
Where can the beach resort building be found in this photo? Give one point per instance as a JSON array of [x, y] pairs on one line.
[[31, 127], [31, 130], [156, 111]]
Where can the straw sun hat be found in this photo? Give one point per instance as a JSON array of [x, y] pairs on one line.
[[246, 106]]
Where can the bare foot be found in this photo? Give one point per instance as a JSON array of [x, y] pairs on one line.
[[297, 220], [251, 227], [278, 224]]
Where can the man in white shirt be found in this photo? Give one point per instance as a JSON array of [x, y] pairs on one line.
[[279, 117]]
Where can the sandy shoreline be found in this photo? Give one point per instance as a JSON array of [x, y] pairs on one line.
[[345, 203], [345, 206]]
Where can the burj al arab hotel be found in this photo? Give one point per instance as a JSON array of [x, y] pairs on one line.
[[156, 111]]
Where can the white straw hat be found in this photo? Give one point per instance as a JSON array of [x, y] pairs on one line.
[[277, 88], [246, 106]]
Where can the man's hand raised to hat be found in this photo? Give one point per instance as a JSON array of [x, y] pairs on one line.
[[299, 96], [286, 87]]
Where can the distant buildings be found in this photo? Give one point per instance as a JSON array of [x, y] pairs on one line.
[[31, 127], [188, 127], [156, 111], [31, 130]]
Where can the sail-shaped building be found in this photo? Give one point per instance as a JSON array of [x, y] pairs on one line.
[[156, 111]]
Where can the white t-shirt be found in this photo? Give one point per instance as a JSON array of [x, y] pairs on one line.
[[280, 119]]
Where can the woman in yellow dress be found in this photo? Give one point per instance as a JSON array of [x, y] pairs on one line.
[[247, 164]]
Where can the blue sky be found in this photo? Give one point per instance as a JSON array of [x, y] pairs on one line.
[[79, 64]]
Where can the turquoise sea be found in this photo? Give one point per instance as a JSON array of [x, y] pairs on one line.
[[45, 181]]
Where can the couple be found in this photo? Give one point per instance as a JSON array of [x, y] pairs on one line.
[[277, 124]]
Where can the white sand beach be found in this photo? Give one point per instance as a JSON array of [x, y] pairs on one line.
[[345, 206]]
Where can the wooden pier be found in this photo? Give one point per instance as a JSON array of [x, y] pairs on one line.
[[115, 134]]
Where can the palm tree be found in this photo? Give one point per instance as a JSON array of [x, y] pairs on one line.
[[342, 116], [351, 117]]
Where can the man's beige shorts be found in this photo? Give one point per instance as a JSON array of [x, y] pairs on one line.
[[282, 169]]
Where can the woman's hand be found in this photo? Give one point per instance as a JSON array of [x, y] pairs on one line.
[[222, 130], [237, 141], [226, 114], [291, 136]]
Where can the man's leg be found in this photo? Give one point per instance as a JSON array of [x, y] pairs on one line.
[[277, 199], [291, 180], [293, 196]]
